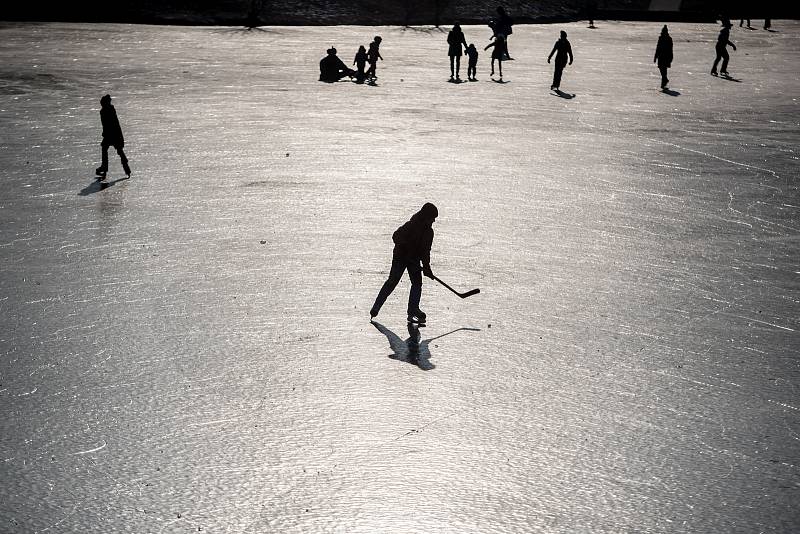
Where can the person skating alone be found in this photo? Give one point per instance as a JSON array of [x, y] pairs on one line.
[[373, 55], [563, 51], [412, 253], [472, 67], [723, 41], [360, 62], [499, 52], [456, 41], [664, 55], [112, 136]]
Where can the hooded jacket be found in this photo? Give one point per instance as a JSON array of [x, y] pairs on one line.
[[413, 239], [112, 131]]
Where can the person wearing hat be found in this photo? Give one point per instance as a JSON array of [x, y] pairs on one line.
[[722, 51], [112, 136], [664, 55], [412, 253], [332, 69]]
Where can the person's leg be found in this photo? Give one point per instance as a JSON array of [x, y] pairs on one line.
[[104, 157], [492, 73], [395, 273], [663, 69], [124, 161], [458, 67], [415, 295], [725, 58], [716, 62], [500, 66], [452, 66]]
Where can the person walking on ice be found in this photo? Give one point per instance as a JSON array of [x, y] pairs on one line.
[[112, 136], [412, 253], [563, 50], [663, 55], [722, 51], [373, 55], [456, 41]]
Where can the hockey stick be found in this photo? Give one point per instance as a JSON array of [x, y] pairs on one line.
[[462, 295]]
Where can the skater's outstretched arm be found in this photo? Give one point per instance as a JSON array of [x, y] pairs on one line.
[[553, 51]]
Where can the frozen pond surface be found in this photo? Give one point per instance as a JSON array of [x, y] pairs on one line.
[[190, 349]]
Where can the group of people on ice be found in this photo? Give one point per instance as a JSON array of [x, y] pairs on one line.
[[332, 69]]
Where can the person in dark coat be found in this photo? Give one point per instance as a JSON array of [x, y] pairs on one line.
[[499, 52], [722, 51], [456, 41], [502, 25], [112, 136], [373, 55], [472, 67], [563, 50], [332, 69], [412, 253], [360, 62], [663, 55]]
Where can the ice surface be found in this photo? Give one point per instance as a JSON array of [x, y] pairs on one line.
[[190, 349]]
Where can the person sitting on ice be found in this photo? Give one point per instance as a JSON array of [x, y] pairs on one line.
[[332, 69]]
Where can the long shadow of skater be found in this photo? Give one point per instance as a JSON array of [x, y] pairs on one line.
[[670, 92], [562, 94], [413, 350], [96, 186]]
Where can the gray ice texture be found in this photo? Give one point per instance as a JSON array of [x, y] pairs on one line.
[[190, 349]]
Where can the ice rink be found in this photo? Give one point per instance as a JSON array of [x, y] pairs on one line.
[[190, 349]]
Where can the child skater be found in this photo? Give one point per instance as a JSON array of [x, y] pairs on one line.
[[112, 136], [472, 53], [412, 253], [498, 53], [373, 55], [360, 62]]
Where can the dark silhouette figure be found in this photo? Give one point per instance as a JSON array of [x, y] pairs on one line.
[[502, 25], [768, 24], [332, 69], [360, 62], [412, 252], [499, 52], [741, 23], [722, 51], [591, 11], [663, 56], [563, 51], [112, 136], [456, 40], [472, 67], [373, 55]]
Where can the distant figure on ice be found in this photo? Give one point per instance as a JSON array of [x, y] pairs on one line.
[[502, 25], [664, 55], [456, 40], [591, 10], [741, 23], [472, 67], [563, 50], [412, 252], [722, 51], [112, 136], [768, 24], [498, 53], [373, 55], [332, 69], [360, 62]]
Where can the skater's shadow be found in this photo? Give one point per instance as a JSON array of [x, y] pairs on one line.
[[730, 79], [501, 80], [413, 350], [670, 92], [96, 186], [562, 94]]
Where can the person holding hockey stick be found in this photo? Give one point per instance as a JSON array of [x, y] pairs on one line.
[[412, 253]]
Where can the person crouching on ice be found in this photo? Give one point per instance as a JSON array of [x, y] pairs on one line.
[[412, 252]]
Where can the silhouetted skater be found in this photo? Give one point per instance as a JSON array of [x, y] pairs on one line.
[[360, 62], [563, 50], [767, 24], [664, 55], [472, 67], [722, 51], [499, 52], [373, 55], [741, 23], [112, 136], [412, 252], [591, 10], [456, 40], [503, 26], [332, 69]]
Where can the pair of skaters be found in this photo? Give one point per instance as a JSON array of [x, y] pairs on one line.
[[767, 24], [456, 40], [332, 69]]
